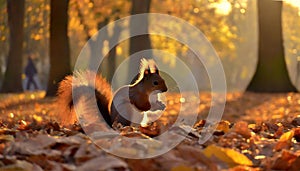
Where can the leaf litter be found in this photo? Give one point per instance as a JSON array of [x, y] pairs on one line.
[[257, 132]]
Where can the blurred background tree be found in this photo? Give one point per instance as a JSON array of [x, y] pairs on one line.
[[12, 79], [59, 45], [271, 74], [140, 42], [291, 40]]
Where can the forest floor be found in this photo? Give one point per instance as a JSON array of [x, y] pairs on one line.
[[257, 132]]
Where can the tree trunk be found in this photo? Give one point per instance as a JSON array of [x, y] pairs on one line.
[[97, 46], [12, 78], [271, 74], [141, 42], [113, 51], [59, 44]]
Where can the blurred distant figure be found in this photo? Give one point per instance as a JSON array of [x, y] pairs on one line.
[[30, 71]]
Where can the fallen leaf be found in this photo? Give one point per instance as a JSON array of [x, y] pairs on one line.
[[36, 145], [151, 130], [227, 155], [103, 163], [284, 141], [244, 168], [296, 164], [241, 128], [284, 161], [195, 155], [296, 121], [223, 126], [182, 168], [171, 159], [5, 138], [146, 164], [21, 165], [131, 152], [297, 134], [287, 136]]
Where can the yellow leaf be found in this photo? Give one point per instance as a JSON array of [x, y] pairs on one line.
[[37, 118], [182, 168], [6, 138], [284, 141], [223, 126], [287, 136], [229, 156]]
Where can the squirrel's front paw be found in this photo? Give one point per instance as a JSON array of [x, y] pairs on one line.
[[156, 101], [158, 106]]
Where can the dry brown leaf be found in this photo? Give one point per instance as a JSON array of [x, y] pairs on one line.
[[284, 161], [171, 159], [35, 145], [128, 151], [241, 127], [41, 160], [296, 164], [297, 134], [244, 168], [7, 160], [82, 155], [194, 155], [21, 165], [223, 126], [75, 139], [296, 121], [182, 168], [152, 130], [145, 164], [103, 163], [52, 165]]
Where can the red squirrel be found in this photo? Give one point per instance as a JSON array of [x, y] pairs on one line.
[[125, 106]]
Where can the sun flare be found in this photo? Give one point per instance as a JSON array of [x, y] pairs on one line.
[[295, 3], [223, 7]]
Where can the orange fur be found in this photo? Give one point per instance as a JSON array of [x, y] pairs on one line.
[[82, 79]]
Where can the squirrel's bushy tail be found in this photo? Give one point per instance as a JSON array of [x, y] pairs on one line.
[[85, 91]]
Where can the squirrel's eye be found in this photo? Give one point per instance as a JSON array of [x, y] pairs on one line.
[[155, 82]]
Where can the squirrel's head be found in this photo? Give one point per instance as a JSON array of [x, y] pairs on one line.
[[149, 77]]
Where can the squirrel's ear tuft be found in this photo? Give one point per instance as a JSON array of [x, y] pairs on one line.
[[147, 71], [148, 67], [156, 70]]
